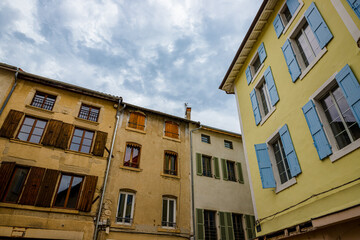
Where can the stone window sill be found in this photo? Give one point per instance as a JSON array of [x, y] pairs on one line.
[[344, 151], [135, 130], [167, 229], [285, 185], [25, 143], [131, 169], [39, 109], [79, 153], [87, 121], [267, 116], [171, 139], [169, 176]]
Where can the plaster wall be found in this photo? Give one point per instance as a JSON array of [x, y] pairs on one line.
[[317, 175], [6, 80]]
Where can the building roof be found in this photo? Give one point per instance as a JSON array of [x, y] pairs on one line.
[[217, 130], [251, 37]]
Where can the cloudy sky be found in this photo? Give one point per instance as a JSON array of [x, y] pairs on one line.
[[157, 54]]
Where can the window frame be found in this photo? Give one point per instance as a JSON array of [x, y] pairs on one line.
[[168, 199], [210, 165], [254, 73], [137, 122], [126, 193], [89, 112], [68, 190], [316, 97], [46, 95], [32, 129], [269, 142], [234, 171], [280, 13], [171, 153], [230, 143], [134, 145], [264, 117], [205, 138], [82, 139], [211, 228], [11, 181]]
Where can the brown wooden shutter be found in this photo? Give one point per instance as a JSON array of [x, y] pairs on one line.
[[99, 145], [52, 132], [175, 130], [47, 188], [168, 129], [141, 122], [88, 192], [64, 136], [10, 124], [32, 186], [132, 120], [6, 170]]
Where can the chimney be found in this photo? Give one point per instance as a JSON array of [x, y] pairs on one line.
[[187, 112]]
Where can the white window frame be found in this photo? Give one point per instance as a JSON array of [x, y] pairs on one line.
[[292, 35], [252, 69], [287, 26], [315, 97], [123, 214], [269, 142], [212, 168], [206, 136], [272, 108], [228, 174], [168, 199]]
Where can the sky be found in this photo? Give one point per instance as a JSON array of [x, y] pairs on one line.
[[157, 54]]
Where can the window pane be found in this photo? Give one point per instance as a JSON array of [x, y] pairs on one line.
[[26, 129], [128, 208], [23, 136], [78, 132], [85, 149], [76, 140], [121, 206], [74, 147], [312, 40], [287, 14], [206, 166], [89, 135], [210, 225], [238, 227], [62, 191], [74, 192], [40, 124], [29, 121], [171, 213], [256, 64], [35, 139], [127, 155], [87, 142], [264, 99], [16, 185], [164, 215]]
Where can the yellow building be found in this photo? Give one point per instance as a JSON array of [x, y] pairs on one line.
[[148, 189], [296, 80], [53, 137]]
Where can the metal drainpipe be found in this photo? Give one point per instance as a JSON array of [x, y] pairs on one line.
[[107, 169], [192, 180], [10, 93]]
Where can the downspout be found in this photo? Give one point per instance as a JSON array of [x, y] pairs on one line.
[[108, 168], [192, 180], [10, 93]]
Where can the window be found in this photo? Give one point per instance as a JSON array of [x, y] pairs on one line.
[[286, 15], [206, 162], [255, 64], [137, 121], [89, 113], [16, 185], [238, 227], [278, 163], [210, 225], [169, 213], [333, 115], [205, 138], [82, 140], [281, 161], [341, 120], [307, 43], [231, 170], [170, 163], [31, 130], [228, 144], [125, 211], [171, 129], [68, 191], [264, 97], [355, 5], [132, 155], [43, 100]]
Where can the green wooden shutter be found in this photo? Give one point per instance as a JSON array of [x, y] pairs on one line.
[[198, 164], [229, 226], [240, 174], [222, 218], [224, 169], [217, 169], [250, 226], [200, 224]]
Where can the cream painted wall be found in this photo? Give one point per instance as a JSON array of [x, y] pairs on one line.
[[317, 175]]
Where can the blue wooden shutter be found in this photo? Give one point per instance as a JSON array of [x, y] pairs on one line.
[[292, 6], [248, 75], [289, 151], [321, 142], [291, 61], [270, 83], [262, 52], [355, 5], [351, 89], [318, 25], [266, 172], [255, 107], [278, 25]]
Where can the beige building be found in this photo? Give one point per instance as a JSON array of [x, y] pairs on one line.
[[148, 190], [221, 194], [53, 138]]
